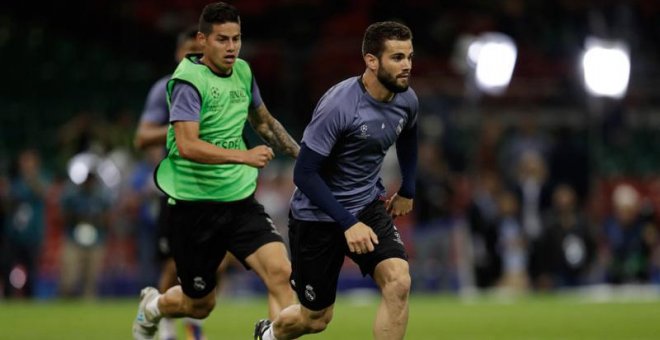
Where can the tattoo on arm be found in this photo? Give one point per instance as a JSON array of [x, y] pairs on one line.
[[274, 133]]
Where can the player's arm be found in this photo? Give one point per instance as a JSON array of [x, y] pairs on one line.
[[186, 105], [152, 129], [359, 237], [192, 148], [401, 203], [272, 131], [150, 133]]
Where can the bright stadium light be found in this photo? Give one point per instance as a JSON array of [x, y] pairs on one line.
[[606, 68], [80, 166], [493, 55]]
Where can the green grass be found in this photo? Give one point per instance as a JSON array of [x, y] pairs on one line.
[[431, 317]]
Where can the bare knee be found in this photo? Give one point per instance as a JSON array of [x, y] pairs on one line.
[[398, 288], [316, 322], [278, 274], [393, 278], [201, 308]]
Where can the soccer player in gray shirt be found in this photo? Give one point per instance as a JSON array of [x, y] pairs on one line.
[[339, 208]]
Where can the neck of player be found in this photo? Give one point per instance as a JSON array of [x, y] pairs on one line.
[[375, 88]]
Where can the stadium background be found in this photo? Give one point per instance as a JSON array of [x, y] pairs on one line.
[[75, 78]]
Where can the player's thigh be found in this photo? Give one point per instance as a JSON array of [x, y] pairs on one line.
[[317, 255], [392, 270], [198, 246], [252, 229], [270, 260], [390, 245]]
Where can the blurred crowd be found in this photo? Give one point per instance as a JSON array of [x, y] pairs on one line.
[[543, 188], [523, 217]]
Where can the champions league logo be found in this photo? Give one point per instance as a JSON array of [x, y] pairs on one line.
[[215, 92], [363, 132]]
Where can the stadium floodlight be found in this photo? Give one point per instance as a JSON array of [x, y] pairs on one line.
[[109, 173], [606, 67], [493, 56], [80, 166]]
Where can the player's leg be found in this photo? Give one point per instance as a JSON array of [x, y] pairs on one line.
[[197, 242], [257, 244], [317, 254], [293, 322], [393, 279], [388, 266], [271, 263], [166, 327]]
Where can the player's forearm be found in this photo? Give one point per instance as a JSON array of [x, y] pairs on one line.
[[307, 179], [202, 152], [276, 136], [150, 135]]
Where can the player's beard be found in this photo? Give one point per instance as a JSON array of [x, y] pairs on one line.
[[389, 81]]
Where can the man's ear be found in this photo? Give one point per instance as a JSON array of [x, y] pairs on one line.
[[371, 61], [201, 39]]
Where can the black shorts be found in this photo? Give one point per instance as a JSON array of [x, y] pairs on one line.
[[163, 250], [318, 250], [202, 233]]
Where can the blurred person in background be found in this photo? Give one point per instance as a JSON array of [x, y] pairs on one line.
[[4, 205], [150, 137], [628, 237], [567, 246], [210, 177], [511, 244], [339, 208], [25, 225], [86, 212], [483, 216], [434, 221], [533, 193]]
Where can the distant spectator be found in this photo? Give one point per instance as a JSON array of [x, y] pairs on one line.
[[533, 191], [85, 209], [25, 225], [567, 246], [628, 237], [511, 245], [483, 217]]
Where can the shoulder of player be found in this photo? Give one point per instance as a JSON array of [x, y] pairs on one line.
[[409, 97], [341, 97], [161, 84]]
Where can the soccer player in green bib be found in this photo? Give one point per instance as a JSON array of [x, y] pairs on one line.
[[210, 176]]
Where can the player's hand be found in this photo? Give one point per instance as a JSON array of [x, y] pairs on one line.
[[259, 156], [398, 206], [360, 238]]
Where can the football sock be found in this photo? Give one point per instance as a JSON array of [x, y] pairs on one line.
[[269, 335], [193, 329], [166, 330], [152, 308]]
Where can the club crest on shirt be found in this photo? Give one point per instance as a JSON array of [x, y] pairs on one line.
[[363, 132]]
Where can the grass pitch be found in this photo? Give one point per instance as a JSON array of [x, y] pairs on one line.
[[431, 317]]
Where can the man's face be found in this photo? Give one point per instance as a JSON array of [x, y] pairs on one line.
[[222, 46], [395, 64]]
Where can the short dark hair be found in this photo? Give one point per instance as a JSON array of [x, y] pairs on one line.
[[185, 35], [217, 13], [377, 33]]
